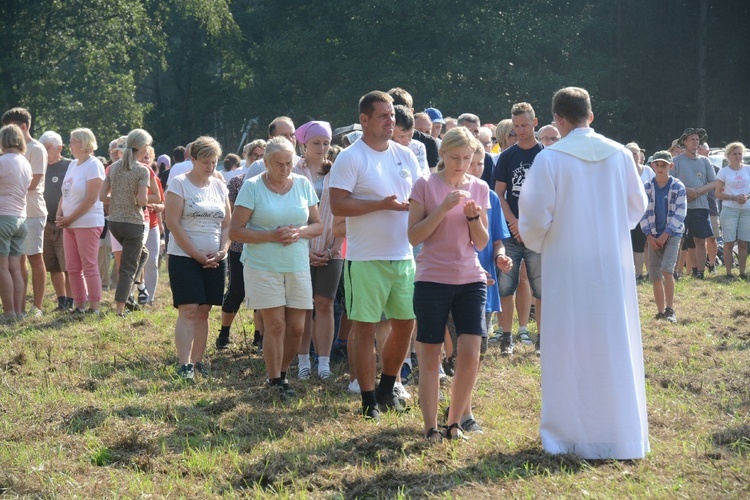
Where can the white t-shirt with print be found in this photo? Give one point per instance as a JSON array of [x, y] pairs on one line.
[[735, 182], [202, 214], [74, 189]]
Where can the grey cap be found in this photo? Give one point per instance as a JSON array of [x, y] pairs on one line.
[[664, 156]]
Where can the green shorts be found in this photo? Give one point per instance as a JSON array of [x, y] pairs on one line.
[[374, 287]]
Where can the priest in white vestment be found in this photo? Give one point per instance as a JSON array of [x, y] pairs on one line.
[[576, 207]]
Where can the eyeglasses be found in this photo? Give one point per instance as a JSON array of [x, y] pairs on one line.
[[550, 139], [512, 134], [254, 156]]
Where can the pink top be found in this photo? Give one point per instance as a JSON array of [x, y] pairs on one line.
[[448, 255]]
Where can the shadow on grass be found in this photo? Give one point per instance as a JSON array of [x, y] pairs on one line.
[[379, 450], [734, 439]]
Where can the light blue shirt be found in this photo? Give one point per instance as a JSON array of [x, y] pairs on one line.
[[271, 211]]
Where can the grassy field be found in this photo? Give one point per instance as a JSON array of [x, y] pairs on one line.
[[92, 408]]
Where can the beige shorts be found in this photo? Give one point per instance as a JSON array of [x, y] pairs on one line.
[[34, 242], [267, 289]]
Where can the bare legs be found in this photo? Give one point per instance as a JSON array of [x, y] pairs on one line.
[[282, 332], [191, 332]]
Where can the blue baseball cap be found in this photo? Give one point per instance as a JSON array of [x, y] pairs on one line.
[[435, 115]]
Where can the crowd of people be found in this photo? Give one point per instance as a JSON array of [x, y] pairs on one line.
[[402, 242]]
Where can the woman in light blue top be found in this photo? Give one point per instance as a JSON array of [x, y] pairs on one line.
[[275, 214]]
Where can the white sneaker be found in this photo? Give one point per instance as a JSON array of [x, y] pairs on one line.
[[354, 387], [304, 374], [34, 312], [400, 391]]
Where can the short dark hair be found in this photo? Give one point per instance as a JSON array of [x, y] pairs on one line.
[[178, 154], [573, 104], [402, 97], [367, 101], [404, 117], [231, 160], [17, 115]]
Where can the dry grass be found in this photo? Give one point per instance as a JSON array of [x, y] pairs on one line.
[[92, 408]]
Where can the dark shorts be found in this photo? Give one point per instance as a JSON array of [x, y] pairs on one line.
[[638, 240], [235, 294], [191, 284], [698, 224], [433, 302], [326, 279]]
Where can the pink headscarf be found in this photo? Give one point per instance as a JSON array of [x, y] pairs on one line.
[[312, 129]]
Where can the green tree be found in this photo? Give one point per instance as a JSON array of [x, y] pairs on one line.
[[75, 63]]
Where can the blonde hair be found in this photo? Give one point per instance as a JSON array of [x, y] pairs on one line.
[[136, 140], [732, 146], [455, 138], [12, 137], [502, 131], [87, 138], [205, 147]]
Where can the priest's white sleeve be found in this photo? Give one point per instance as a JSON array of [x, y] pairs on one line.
[[536, 204]]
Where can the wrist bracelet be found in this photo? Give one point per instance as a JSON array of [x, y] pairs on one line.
[[472, 218]]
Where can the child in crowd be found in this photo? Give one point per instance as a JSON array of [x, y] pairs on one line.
[[663, 225], [403, 134]]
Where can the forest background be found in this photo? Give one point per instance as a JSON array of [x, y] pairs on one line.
[[183, 68]]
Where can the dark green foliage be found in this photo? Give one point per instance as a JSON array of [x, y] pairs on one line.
[[185, 68]]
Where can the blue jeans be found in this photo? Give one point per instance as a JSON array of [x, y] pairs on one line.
[[508, 282]]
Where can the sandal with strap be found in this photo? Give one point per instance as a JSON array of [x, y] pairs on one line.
[[434, 435], [459, 435]]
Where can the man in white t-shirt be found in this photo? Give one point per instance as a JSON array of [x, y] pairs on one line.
[[36, 210], [370, 185]]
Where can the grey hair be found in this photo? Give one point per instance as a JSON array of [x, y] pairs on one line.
[[276, 145], [51, 138]]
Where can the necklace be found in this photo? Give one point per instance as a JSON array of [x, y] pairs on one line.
[[271, 186]]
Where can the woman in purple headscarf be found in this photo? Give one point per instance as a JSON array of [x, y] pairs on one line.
[[326, 261]]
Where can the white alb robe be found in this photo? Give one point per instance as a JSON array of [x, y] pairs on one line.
[[577, 205]]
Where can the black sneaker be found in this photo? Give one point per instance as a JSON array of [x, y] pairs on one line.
[[659, 315], [143, 296], [506, 344], [130, 304], [222, 342], [371, 414], [449, 366], [186, 372], [278, 391], [390, 402], [538, 345], [669, 315], [201, 368], [288, 391]]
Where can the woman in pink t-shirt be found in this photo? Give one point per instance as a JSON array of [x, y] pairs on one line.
[[447, 213]]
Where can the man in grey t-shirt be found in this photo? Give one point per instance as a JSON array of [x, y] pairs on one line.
[[697, 174]]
